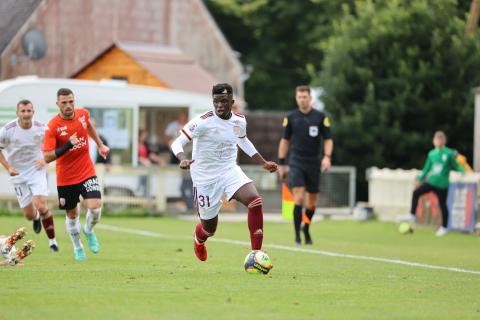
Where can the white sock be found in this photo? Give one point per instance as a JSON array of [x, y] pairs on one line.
[[73, 229], [52, 242], [37, 216], [93, 216]]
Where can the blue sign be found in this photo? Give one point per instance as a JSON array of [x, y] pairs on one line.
[[462, 206]]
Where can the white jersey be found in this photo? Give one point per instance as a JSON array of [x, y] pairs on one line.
[[23, 146], [214, 145]]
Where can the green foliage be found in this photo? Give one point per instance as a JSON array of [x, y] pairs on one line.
[[395, 72], [279, 39]]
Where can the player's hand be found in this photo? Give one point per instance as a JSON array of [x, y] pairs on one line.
[[39, 164], [12, 171], [282, 172], [326, 164], [185, 164], [103, 150], [74, 139], [270, 166]]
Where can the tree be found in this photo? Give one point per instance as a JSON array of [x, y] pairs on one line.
[[395, 72], [279, 39]]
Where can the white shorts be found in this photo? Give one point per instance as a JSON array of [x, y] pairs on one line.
[[29, 184], [208, 198]]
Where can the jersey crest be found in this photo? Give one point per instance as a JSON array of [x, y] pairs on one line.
[[237, 130], [62, 130], [313, 131]]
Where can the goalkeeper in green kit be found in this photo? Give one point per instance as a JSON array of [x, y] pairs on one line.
[[435, 178]]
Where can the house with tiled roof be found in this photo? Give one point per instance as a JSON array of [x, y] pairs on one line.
[[172, 43]]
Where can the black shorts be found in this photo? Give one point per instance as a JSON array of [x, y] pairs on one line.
[[69, 196], [307, 176]]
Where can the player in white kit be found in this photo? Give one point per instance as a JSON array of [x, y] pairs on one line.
[[8, 251], [22, 139], [214, 170]]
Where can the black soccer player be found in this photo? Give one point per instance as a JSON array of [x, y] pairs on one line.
[[303, 129]]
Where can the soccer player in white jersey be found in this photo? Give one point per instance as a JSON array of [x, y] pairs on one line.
[[214, 170], [22, 139], [8, 251]]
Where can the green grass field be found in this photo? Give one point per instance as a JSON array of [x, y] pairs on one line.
[[156, 275]]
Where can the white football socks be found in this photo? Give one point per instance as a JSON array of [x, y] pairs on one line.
[[92, 217], [73, 229]]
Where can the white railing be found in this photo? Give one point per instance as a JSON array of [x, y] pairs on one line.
[[390, 190], [159, 189]]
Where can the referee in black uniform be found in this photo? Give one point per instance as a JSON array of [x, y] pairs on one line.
[[302, 132]]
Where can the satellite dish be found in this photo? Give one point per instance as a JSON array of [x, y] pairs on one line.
[[34, 45]]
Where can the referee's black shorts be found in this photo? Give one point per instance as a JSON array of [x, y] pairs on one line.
[[307, 176]]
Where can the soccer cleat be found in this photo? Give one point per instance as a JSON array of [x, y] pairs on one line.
[[92, 241], [54, 248], [79, 254], [10, 242], [37, 225], [306, 232], [22, 253], [200, 249], [441, 232]]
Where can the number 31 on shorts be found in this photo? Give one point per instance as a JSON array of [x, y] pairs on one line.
[[203, 201]]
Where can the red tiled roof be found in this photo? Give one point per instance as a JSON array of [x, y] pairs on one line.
[[171, 66]]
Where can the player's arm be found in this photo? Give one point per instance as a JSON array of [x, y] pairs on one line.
[[51, 155], [3, 144], [103, 150], [455, 165], [283, 147], [247, 146], [177, 149], [426, 169], [327, 154], [11, 170], [327, 144]]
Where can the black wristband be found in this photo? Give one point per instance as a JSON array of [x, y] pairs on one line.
[[61, 150], [282, 162]]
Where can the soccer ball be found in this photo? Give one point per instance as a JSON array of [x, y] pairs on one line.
[[405, 228], [257, 261]]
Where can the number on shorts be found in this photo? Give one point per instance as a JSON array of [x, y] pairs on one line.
[[203, 200]]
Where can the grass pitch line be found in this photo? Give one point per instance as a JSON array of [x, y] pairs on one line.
[[292, 249]]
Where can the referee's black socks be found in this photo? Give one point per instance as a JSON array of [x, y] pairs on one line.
[[297, 222], [309, 213], [306, 226]]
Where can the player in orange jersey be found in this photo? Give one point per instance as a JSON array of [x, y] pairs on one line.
[[66, 141]]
